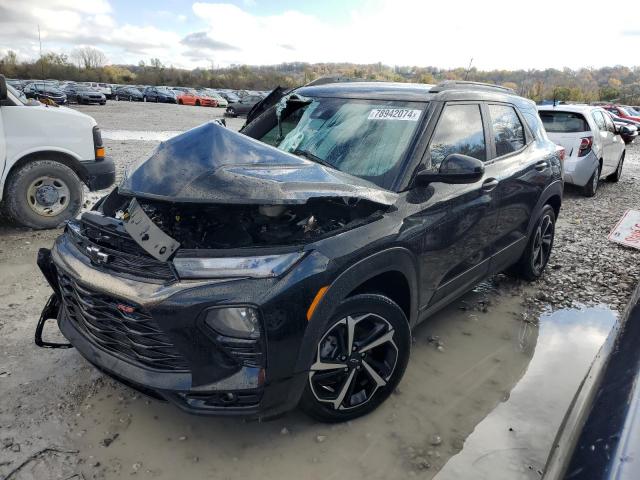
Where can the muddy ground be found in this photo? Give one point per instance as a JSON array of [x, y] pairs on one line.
[[486, 387]]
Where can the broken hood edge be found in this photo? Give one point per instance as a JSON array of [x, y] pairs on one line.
[[211, 164]]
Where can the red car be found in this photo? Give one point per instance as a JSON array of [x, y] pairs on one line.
[[621, 112], [188, 96]]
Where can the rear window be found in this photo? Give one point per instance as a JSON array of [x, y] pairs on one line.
[[564, 122]]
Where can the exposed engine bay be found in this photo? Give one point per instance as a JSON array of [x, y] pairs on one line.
[[214, 226]]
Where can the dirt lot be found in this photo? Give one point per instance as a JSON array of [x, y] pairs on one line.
[[492, 373]]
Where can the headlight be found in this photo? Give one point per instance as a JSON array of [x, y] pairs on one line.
[[239, 322], [265, 266]]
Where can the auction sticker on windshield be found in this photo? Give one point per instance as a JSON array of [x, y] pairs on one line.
[[394, 114], [627, 231]]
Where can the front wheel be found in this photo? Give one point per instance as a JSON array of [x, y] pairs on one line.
[[144, 99], [359, 359], [538, 250], [43, 194]]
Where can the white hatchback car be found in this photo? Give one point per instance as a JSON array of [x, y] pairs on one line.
[[593, 146]]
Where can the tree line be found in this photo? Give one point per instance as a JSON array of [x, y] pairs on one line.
[[617, 83]]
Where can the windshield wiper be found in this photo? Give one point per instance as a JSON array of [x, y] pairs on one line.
[[312, 157]]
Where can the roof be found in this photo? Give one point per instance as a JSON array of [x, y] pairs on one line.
[[410, 92], [569, 108]]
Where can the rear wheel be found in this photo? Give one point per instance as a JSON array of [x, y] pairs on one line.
[[144, 99], [117, 99], [197, 103], [615, 176], [359, 360], [589, 190], [232, 112], [43, 194], [538, 250]]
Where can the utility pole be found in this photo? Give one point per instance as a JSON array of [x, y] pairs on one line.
[[468, 69], [41, 59]]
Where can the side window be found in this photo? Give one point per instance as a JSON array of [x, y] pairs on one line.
[[508, 133], [459, 130], [598, 117], [610, 126]]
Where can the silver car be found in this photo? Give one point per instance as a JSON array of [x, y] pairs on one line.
[[593, 146]]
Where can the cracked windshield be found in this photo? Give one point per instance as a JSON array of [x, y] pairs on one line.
[[269, 239]]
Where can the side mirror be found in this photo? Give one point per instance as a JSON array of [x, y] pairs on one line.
[[454, 169], [624, 130], [3, 88]]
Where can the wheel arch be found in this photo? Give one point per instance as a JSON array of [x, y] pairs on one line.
[[53, 155], [552, 195], [392, 263]]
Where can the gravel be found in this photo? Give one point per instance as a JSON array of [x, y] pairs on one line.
[[585, 267]]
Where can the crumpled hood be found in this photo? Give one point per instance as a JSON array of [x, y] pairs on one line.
[[212, 164]]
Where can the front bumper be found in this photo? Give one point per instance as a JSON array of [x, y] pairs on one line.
[[99, 174], [209, 384]]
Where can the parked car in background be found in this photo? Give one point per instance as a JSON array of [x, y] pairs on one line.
[[103, 88], [207, 99], [222, 102], [628, 128], [243, 106], [229, 96], [41, 91], [83, 95], [187, 96], [593, 146], [158, 95], [131, 94], [621, 112], [46, 155], [17, 84], [300, 253]]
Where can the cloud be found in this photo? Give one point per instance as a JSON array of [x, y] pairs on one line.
[[395, 32], [202, 40]]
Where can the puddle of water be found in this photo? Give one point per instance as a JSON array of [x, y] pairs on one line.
[[513, 441], [443, 396], [143, 135]]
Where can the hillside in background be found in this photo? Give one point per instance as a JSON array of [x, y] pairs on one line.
[[618, 83]]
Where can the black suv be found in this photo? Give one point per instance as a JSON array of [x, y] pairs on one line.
[[158, 94], [286, 265]]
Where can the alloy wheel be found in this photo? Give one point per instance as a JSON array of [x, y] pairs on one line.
[[596, 178], [355, 357], [542, 243], [48, 196]]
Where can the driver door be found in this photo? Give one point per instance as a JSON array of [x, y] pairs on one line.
[[459, 221]]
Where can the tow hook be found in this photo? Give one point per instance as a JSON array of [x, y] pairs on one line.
[[52, 307], [49, 312]]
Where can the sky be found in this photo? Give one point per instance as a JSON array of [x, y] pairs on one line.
[[497, 34]]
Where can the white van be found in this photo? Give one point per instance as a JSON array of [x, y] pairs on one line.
[[46, 154]]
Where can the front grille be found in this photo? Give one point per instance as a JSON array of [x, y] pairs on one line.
[[131, 335], [122, 255]]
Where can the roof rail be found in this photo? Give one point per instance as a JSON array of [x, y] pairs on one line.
[[466, 85]]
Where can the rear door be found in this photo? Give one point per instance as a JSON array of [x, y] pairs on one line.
[[522, 172], [612, 149], [458, 242]]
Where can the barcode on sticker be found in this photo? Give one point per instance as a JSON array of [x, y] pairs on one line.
[[394, 114]]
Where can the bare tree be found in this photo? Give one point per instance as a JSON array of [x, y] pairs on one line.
[[89, 57]]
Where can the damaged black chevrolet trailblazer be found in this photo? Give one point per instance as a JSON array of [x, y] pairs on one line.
[[249, 273]]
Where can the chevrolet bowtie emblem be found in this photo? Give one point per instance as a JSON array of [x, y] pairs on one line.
[[96, 255]]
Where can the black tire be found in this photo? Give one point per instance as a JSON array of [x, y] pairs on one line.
[[374, 317], [144, 99], [197, 103], [117, 98], [19, 206], [589, 190], [130, 98], [179, 102], [232, 112], [530, 266], [615, 176]]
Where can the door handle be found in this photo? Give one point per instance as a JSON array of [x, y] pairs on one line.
[[541, 166], [489, 184]]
